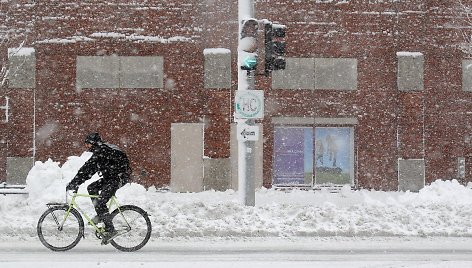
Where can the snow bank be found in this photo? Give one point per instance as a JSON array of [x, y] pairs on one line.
[[442, 209]]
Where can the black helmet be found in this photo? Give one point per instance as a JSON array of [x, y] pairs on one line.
[[93, 138]]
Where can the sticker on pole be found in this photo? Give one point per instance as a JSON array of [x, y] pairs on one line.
[[247, 133], [249, 104]]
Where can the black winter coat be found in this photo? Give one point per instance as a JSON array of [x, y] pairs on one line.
[[109, 160]]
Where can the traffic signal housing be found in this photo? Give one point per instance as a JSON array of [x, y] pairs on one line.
[[263, 43], [248, 44], [274, 47]]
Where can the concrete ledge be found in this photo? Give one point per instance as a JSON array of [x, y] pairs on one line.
[[336, 121], [317, 73], [97, 72], [217, 68], [467, 75], [120, 72], [314, 121], [293, 120], [141, 72], [410, 71], [336, 73], [298, 74], [22, 65]]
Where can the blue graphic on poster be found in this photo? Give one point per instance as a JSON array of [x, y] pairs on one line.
[[293, 161]]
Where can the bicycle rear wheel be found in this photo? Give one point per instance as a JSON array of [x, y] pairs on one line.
[[133, 226], [56, 237]]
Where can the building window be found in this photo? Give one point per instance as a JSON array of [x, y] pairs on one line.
[[119, 72], [313, 155]]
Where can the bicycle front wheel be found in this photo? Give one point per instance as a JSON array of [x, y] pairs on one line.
[[133, 226], [57, 232]]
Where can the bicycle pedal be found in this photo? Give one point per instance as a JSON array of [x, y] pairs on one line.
[[107, 240]]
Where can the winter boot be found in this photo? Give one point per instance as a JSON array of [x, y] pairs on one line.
[[110, 231], [96, 220]]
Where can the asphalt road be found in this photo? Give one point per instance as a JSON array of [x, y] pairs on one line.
[[260, 252]]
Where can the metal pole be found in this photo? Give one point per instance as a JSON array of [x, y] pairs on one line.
[[250, 196], [246, 182]]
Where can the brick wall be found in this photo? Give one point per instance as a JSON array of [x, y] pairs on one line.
[[139, 120]]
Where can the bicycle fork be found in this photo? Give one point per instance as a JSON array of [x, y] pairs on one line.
[[67, 208]]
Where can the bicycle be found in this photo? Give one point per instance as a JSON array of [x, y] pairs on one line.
[[61, 226]]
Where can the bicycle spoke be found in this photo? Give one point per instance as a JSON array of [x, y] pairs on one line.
[[134, 226], [57, 237]]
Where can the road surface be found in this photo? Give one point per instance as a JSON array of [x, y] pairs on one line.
[[250, 252]]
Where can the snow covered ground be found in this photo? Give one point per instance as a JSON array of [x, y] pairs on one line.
[[442, 209], [437, 217]]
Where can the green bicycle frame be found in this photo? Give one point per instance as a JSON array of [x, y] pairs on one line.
[[113, 202]]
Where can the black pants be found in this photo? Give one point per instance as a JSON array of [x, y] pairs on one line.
[[105, 189]]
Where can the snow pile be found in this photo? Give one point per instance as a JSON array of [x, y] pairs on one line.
[[51, 175], [442, 209]]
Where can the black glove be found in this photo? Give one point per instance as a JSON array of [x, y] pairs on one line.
[[72, 187]]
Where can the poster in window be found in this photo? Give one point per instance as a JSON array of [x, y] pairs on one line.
[[333, 155], [293, 161]]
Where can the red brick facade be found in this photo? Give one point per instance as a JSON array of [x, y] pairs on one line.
[[433, 124]]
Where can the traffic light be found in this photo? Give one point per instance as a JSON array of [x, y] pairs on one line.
[[248, 44], [274, 45], [263, 43]]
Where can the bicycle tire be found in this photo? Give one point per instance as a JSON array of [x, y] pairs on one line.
[[139, 231], [54, 238]]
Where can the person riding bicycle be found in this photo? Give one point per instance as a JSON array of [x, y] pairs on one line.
[[113, 165]]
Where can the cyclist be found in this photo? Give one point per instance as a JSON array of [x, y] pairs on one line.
[[113, 165]]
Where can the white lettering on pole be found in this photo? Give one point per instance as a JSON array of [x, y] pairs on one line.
[[248, 133], [249, 104]]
